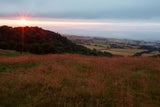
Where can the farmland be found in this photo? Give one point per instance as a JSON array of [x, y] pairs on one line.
[[118, 47]]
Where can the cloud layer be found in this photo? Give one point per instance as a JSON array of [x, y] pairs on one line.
[[87, 9], [133, 19]]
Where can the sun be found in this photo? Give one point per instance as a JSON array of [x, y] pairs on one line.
[[23, 22]]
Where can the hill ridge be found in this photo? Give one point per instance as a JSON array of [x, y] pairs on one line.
[[40, 41]]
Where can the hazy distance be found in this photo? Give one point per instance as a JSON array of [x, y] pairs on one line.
[[130, 19]]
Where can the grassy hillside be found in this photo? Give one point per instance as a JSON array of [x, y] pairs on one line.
[[76, 80], [11, 53], [39, 41]]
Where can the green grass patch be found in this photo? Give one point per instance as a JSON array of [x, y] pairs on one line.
[[103, 42], [11, 53], [15, 66]]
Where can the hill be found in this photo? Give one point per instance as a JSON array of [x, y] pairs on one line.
[[62, 80], [40, 41]]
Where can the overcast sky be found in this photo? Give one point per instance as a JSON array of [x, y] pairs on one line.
[[110, 11]]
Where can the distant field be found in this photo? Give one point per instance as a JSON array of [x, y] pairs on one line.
[[152, 54], [81, 81], [117, 46], [103, 42], [115, 51], [98, 47], [124, 52]]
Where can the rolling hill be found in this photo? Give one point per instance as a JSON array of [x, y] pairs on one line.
[[39, 41], [61, 80]]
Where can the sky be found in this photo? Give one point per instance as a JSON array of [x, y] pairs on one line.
[[125, 19]]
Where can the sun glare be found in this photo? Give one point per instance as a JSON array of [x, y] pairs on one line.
[[23, 22]]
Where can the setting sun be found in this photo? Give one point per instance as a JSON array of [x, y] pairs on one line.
[[23, 22]]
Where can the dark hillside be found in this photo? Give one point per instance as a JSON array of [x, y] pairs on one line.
[[40, 41]]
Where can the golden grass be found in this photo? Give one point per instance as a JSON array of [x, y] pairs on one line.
[[124, 52], [77, 80], [154, 53], [117, 51], [98, 47]]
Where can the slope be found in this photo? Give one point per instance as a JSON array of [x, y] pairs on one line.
[[40, 41]]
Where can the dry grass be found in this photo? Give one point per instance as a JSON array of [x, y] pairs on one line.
[[98, 47], [76, 80], [116, 51], [154, 53], [124, 52]]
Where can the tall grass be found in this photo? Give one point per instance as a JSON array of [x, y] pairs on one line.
[[77, 80]]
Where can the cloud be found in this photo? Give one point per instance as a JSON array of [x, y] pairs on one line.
[[87, 9]]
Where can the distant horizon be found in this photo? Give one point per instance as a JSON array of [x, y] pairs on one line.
[[141, 30], [68, 34], [125, 19]]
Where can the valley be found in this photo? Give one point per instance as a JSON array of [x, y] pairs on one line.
[[118, 47]]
